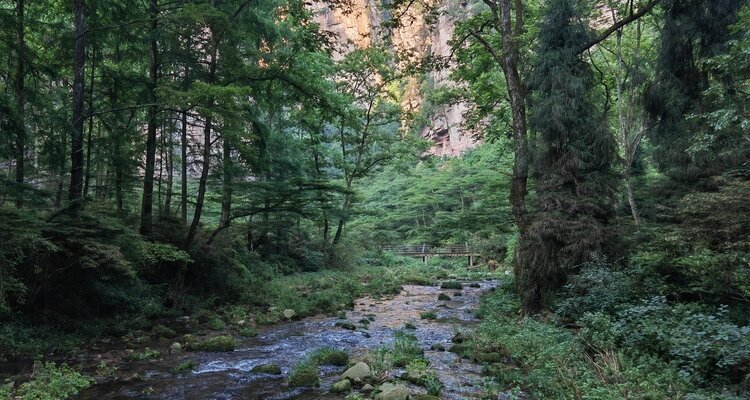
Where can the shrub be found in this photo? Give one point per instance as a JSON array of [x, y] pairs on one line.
[[54, 383]]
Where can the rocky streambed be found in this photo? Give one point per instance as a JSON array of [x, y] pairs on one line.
[[431, 314]]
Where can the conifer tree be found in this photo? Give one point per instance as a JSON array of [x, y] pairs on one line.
[[693, 31], [574, 156]]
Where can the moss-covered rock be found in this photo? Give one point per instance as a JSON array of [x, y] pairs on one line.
[[342, 386], [215, 343], [304, 375], [452, 285], [437, 347], [327, 356], [272, 369], [444, 297], [347, 325]]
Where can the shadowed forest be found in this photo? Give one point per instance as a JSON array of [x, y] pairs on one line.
[[195, 196]]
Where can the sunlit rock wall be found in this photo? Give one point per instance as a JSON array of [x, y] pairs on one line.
[[358, 25]]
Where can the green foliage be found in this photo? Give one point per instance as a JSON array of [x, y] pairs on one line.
[[555, 363], [451, 201], [695, 96], [185, 367], [147, 354], [54, 383]]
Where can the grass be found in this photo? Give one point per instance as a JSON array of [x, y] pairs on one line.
[[428, 315], [405, 349], [328, 356], [184, 367], [332, 291]]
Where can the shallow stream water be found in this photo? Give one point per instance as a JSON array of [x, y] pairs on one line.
[[228, 376]]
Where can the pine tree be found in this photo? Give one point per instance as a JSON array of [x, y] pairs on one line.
[[574, 156]]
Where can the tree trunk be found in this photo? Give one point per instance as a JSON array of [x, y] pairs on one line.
[[183, 177], [79, 65], [148, 178], [206, 156], [626, 127], [160, 180], [87, 177], [344, 210], [21, 102], [226, 198], [517, 96], [170, 174], [201, 184]]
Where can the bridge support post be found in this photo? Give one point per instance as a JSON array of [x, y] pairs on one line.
[[471, 261]]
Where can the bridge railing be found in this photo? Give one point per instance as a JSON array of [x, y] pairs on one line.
[[420, 249]]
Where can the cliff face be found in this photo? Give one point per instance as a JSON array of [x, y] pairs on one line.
[[359, 26]]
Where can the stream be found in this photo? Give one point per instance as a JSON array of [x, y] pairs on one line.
[[227, 375]]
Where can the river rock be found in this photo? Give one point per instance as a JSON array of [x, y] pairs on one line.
[[443, 296], [342, 386], [367, 388], [289, 313], [175, 348], [389, 391], [359, 372]]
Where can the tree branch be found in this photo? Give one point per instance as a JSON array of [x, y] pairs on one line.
[[612, 29]]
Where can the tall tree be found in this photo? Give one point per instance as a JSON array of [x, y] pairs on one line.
[[575, 152], [20, 98], [79, 70], [153, 109]]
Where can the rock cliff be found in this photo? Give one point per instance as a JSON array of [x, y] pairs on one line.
[[359, 23]]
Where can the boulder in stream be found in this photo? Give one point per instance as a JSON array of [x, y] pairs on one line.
[[357, 373]]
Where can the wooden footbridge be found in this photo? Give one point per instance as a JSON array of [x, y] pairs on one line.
[[425, 252]]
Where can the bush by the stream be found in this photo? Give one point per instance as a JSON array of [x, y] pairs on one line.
[[51, 382]]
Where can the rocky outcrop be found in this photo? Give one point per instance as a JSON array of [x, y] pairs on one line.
[[359, 25]]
